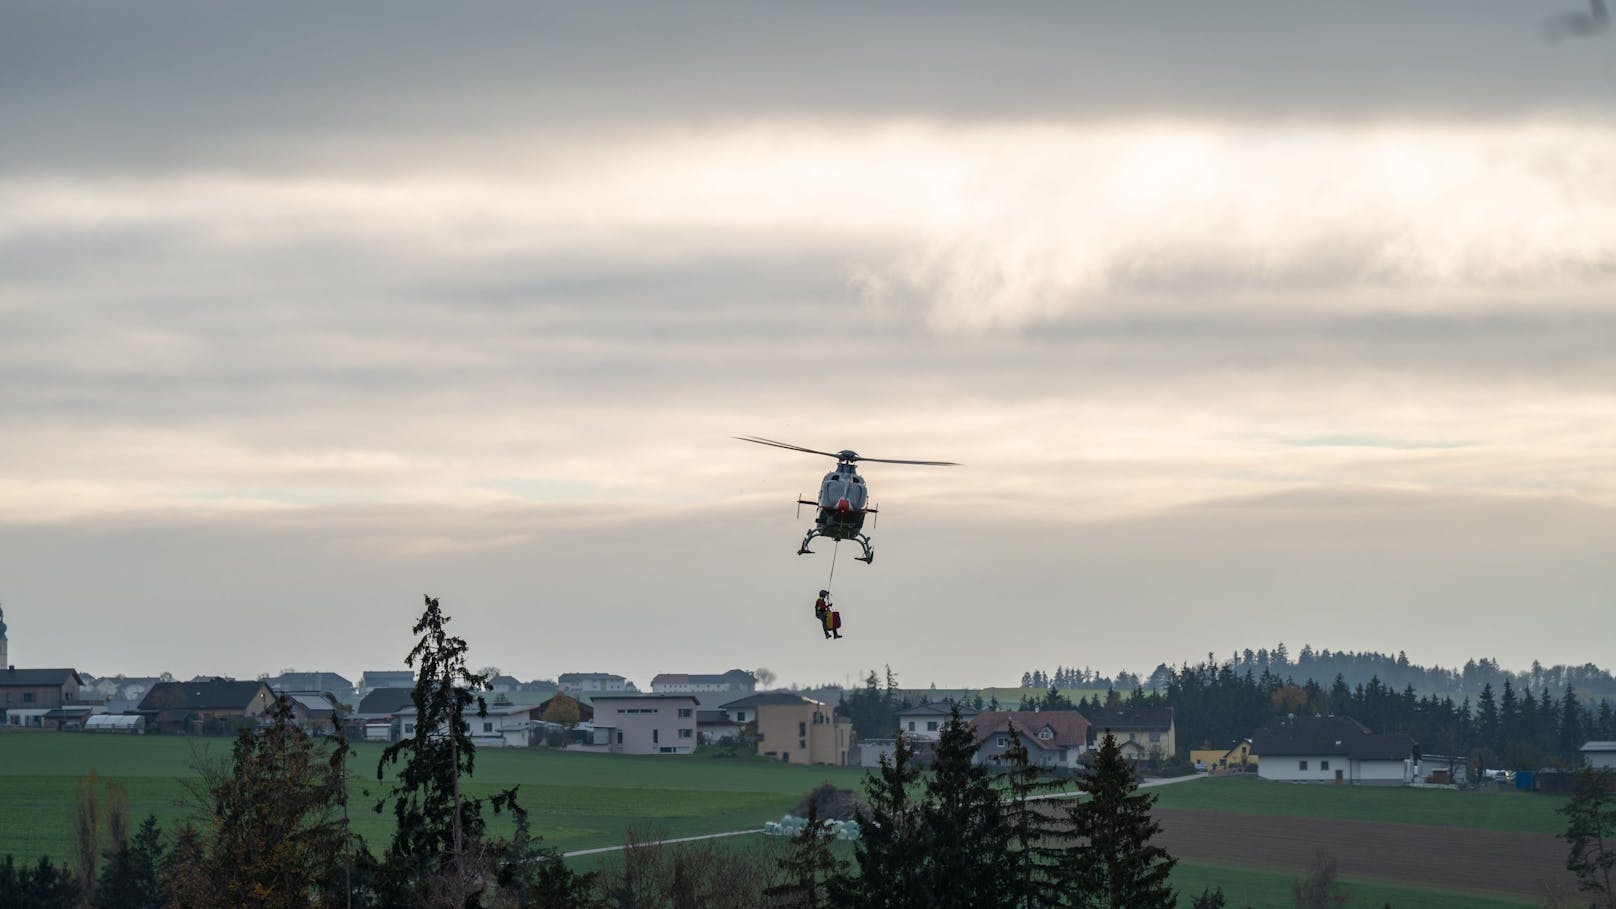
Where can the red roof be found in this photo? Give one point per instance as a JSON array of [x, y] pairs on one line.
[[1068, 728]]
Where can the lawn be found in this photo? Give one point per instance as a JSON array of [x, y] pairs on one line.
[[1517, 811], [577, 800], [1244, 887]]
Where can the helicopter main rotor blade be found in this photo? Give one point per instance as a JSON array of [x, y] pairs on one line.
[[762, 441], [926, 463]]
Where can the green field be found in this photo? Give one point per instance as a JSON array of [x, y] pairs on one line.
[[1244, 887], [1518, 811], [576, 800]]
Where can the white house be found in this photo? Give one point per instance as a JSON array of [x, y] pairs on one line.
[[645, 723], [1332, 749], [711, 690], [924, 722], [1600, 755], [591, 682]]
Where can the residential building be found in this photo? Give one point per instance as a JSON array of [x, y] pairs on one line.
[[1235, 758], [591, 682], [316, 714], [376, 718], [924, 721], [386, 678], [38, 689], [1600, 755], [311, 683], [506, 726], [645, 723], [504, 684], [795, 729], [711, 690], [215, 706], [1333, 749], [715, 725], [1143, 733], [1053, 738]]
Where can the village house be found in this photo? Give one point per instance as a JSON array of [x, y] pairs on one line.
[[924, 721], [795, 729], [217, 706], [575, 683], [1239, 757], [1333, 749], [311, 683], [37, 690], [1053, 738], [376, 717], [498, 726], [374, 680], [316, 714], [645, 723], [1142, 733], [711, 690]]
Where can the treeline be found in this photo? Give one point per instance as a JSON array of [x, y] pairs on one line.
[[1215, 705], [1357, 668]]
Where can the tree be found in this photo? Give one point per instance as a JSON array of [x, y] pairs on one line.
[[1320, 889], [435, 821], [765, 677], [563, 711], [1591, 834], [965, 829], [891, 848], [1209, 898], [44, 886], [810, 867], [130, 878], [87, 833], [275, 835], [531, 874], [1034, 863], [1113, 864]]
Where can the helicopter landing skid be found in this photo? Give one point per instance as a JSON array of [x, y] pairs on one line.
[[867, 558]]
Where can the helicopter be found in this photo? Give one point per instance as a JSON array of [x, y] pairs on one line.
[[842, 496]]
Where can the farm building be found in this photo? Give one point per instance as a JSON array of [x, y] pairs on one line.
[[1221, 760], [1600, 755], [38, 689], [124, 723], [1332, 749], [214, 706]]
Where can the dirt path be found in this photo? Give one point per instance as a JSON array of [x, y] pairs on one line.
[[1450, 858]]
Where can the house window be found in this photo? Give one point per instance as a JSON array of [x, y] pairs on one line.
[[1155, 736], [29, 697], [911, 725], [931, 725], [686, 733], [656, 736], [684, 713], [1324, 765], [802, 728], [488, 727], [1303, 765], [619, 736], [409, 728], [1046, 733], [999, 741], [802, 743]]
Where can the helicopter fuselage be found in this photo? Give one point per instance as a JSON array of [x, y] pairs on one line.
[[843, 503]]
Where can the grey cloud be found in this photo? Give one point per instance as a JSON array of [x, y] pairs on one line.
[[180, 84]]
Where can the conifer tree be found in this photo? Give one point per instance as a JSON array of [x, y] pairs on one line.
[[811, 869], [130, 877], [1035, 836], [891, 848], [965, 826], [1591, 834], [436, 822], [1113, 865]]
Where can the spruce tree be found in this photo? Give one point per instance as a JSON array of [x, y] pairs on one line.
[[1113, 864], [811, 869], [891, 848], [965, 825], [436, 822], [1572, 732], [129, 879], [1035, 836]]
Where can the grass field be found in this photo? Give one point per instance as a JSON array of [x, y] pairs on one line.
[[577, 800], [1517, 811], [1244, 887]]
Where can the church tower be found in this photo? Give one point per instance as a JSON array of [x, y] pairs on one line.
[[3, 655]]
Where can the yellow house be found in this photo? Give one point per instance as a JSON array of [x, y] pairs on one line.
[[794, 729], [1218, 760]]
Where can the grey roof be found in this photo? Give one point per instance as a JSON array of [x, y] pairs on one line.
[[371, 677], [771, 697], [1328, 735], [386, 700], [634, 696], [1599, 746], [937, 708], [579, 676], [310, 681], [314, 703], [215, 695], [36, 677]]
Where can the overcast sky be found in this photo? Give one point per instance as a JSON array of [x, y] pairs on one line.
[[1251, 322]]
